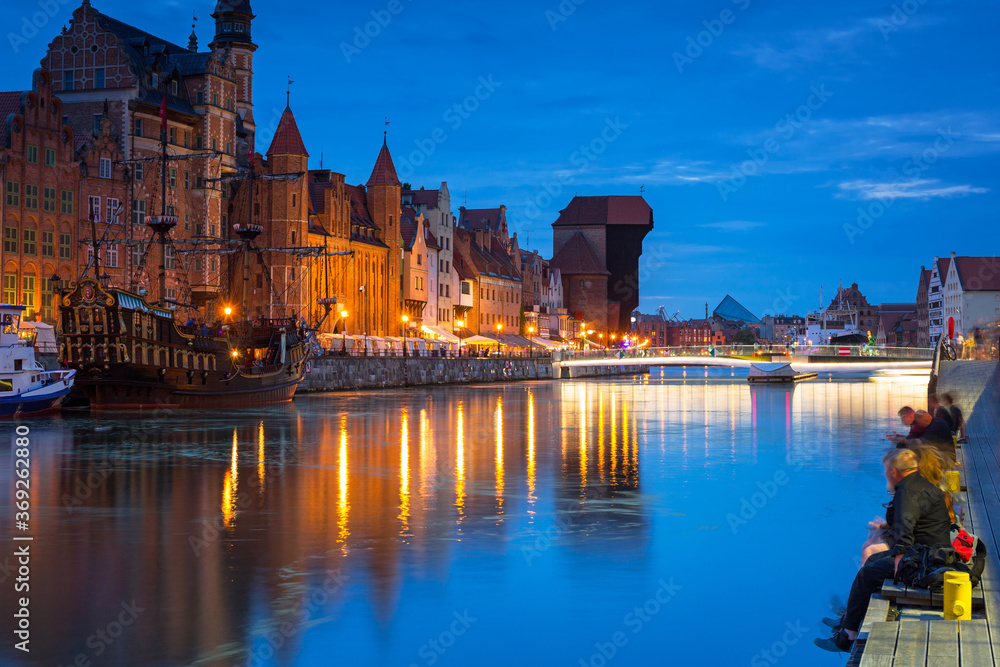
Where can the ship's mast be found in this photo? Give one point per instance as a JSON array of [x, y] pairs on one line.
[[162, 225], [248, 232]]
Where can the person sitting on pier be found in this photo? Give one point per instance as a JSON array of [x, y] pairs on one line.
[[948, 402], [931, 465], [940, 412], [908, 416], [920, 516], [936, 433]]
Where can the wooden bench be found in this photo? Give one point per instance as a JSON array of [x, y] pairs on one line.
[[922, 597]]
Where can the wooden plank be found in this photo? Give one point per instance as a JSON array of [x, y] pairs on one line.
[[911, 644], [881, 645], [878, 612], [974, 643], [942, 643]]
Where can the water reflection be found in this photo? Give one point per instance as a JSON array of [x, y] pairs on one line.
[[522, 499]]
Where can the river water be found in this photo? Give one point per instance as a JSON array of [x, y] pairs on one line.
[[679, 518]]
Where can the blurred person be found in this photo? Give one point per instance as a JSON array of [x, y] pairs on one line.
[[936, 433], [907, 415], [940, 412], [948, 401], [919, 516]]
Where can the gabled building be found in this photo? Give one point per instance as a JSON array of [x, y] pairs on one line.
[[935, 298], [362, 222], [495, 281], [104, 68], [971, 293], [923, 319], [435, 205], [417, 281], [897, 325], [41, 212]]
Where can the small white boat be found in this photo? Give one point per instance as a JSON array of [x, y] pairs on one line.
[[775, 372], [26, 388]]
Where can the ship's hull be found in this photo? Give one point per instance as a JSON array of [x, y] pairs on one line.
[[132, 386]]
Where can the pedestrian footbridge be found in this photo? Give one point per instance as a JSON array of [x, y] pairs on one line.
[[811, 359]]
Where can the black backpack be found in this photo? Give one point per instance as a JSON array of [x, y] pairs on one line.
[[925, 567]]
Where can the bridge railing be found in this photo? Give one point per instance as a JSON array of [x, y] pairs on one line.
[[775, 352]]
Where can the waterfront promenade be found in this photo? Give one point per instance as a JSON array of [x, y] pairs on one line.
[[914, 639], [976, 386]]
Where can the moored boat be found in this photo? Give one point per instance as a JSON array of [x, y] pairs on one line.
[[26, 388], [130, 354]]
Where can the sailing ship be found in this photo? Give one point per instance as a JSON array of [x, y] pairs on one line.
[[130, 353], [26, 388]]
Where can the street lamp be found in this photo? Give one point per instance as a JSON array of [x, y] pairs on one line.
[[406, 320], [499, 330], [461, 325]]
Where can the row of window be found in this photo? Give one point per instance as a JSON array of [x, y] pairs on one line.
[[236, 27], [10, 295], [30, 197], [27, 243], [31, 155], [69, 79], [491, 294], [489, 318]]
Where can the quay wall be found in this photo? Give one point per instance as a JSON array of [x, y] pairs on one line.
[[347, 373]]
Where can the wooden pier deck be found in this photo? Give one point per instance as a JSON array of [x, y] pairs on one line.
[[921, 637], [980, 459]]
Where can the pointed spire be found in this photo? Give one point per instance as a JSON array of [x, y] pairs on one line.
[[384, 172], [287, 140], [193, 39]]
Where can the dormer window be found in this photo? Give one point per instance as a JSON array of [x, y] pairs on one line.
[[156, 80], [227, 27], [239, 27], [173, 87]]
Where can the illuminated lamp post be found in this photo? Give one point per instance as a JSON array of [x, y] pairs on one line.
[[406, 324]]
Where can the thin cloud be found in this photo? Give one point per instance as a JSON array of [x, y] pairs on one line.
[[733, 225], [806, 46], [915, 189]]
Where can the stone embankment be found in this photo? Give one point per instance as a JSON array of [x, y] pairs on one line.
[[345, 373]]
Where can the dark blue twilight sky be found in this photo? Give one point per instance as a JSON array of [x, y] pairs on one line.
[[759, 130]]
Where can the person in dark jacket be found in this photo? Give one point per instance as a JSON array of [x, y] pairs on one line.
[[907, 415], [936, 434], [948, 402], [920, 516]]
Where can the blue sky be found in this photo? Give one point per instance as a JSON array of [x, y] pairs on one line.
[[782, 145]]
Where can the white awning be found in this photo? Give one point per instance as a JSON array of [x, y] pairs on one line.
[[546, 343], [443, 333]]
